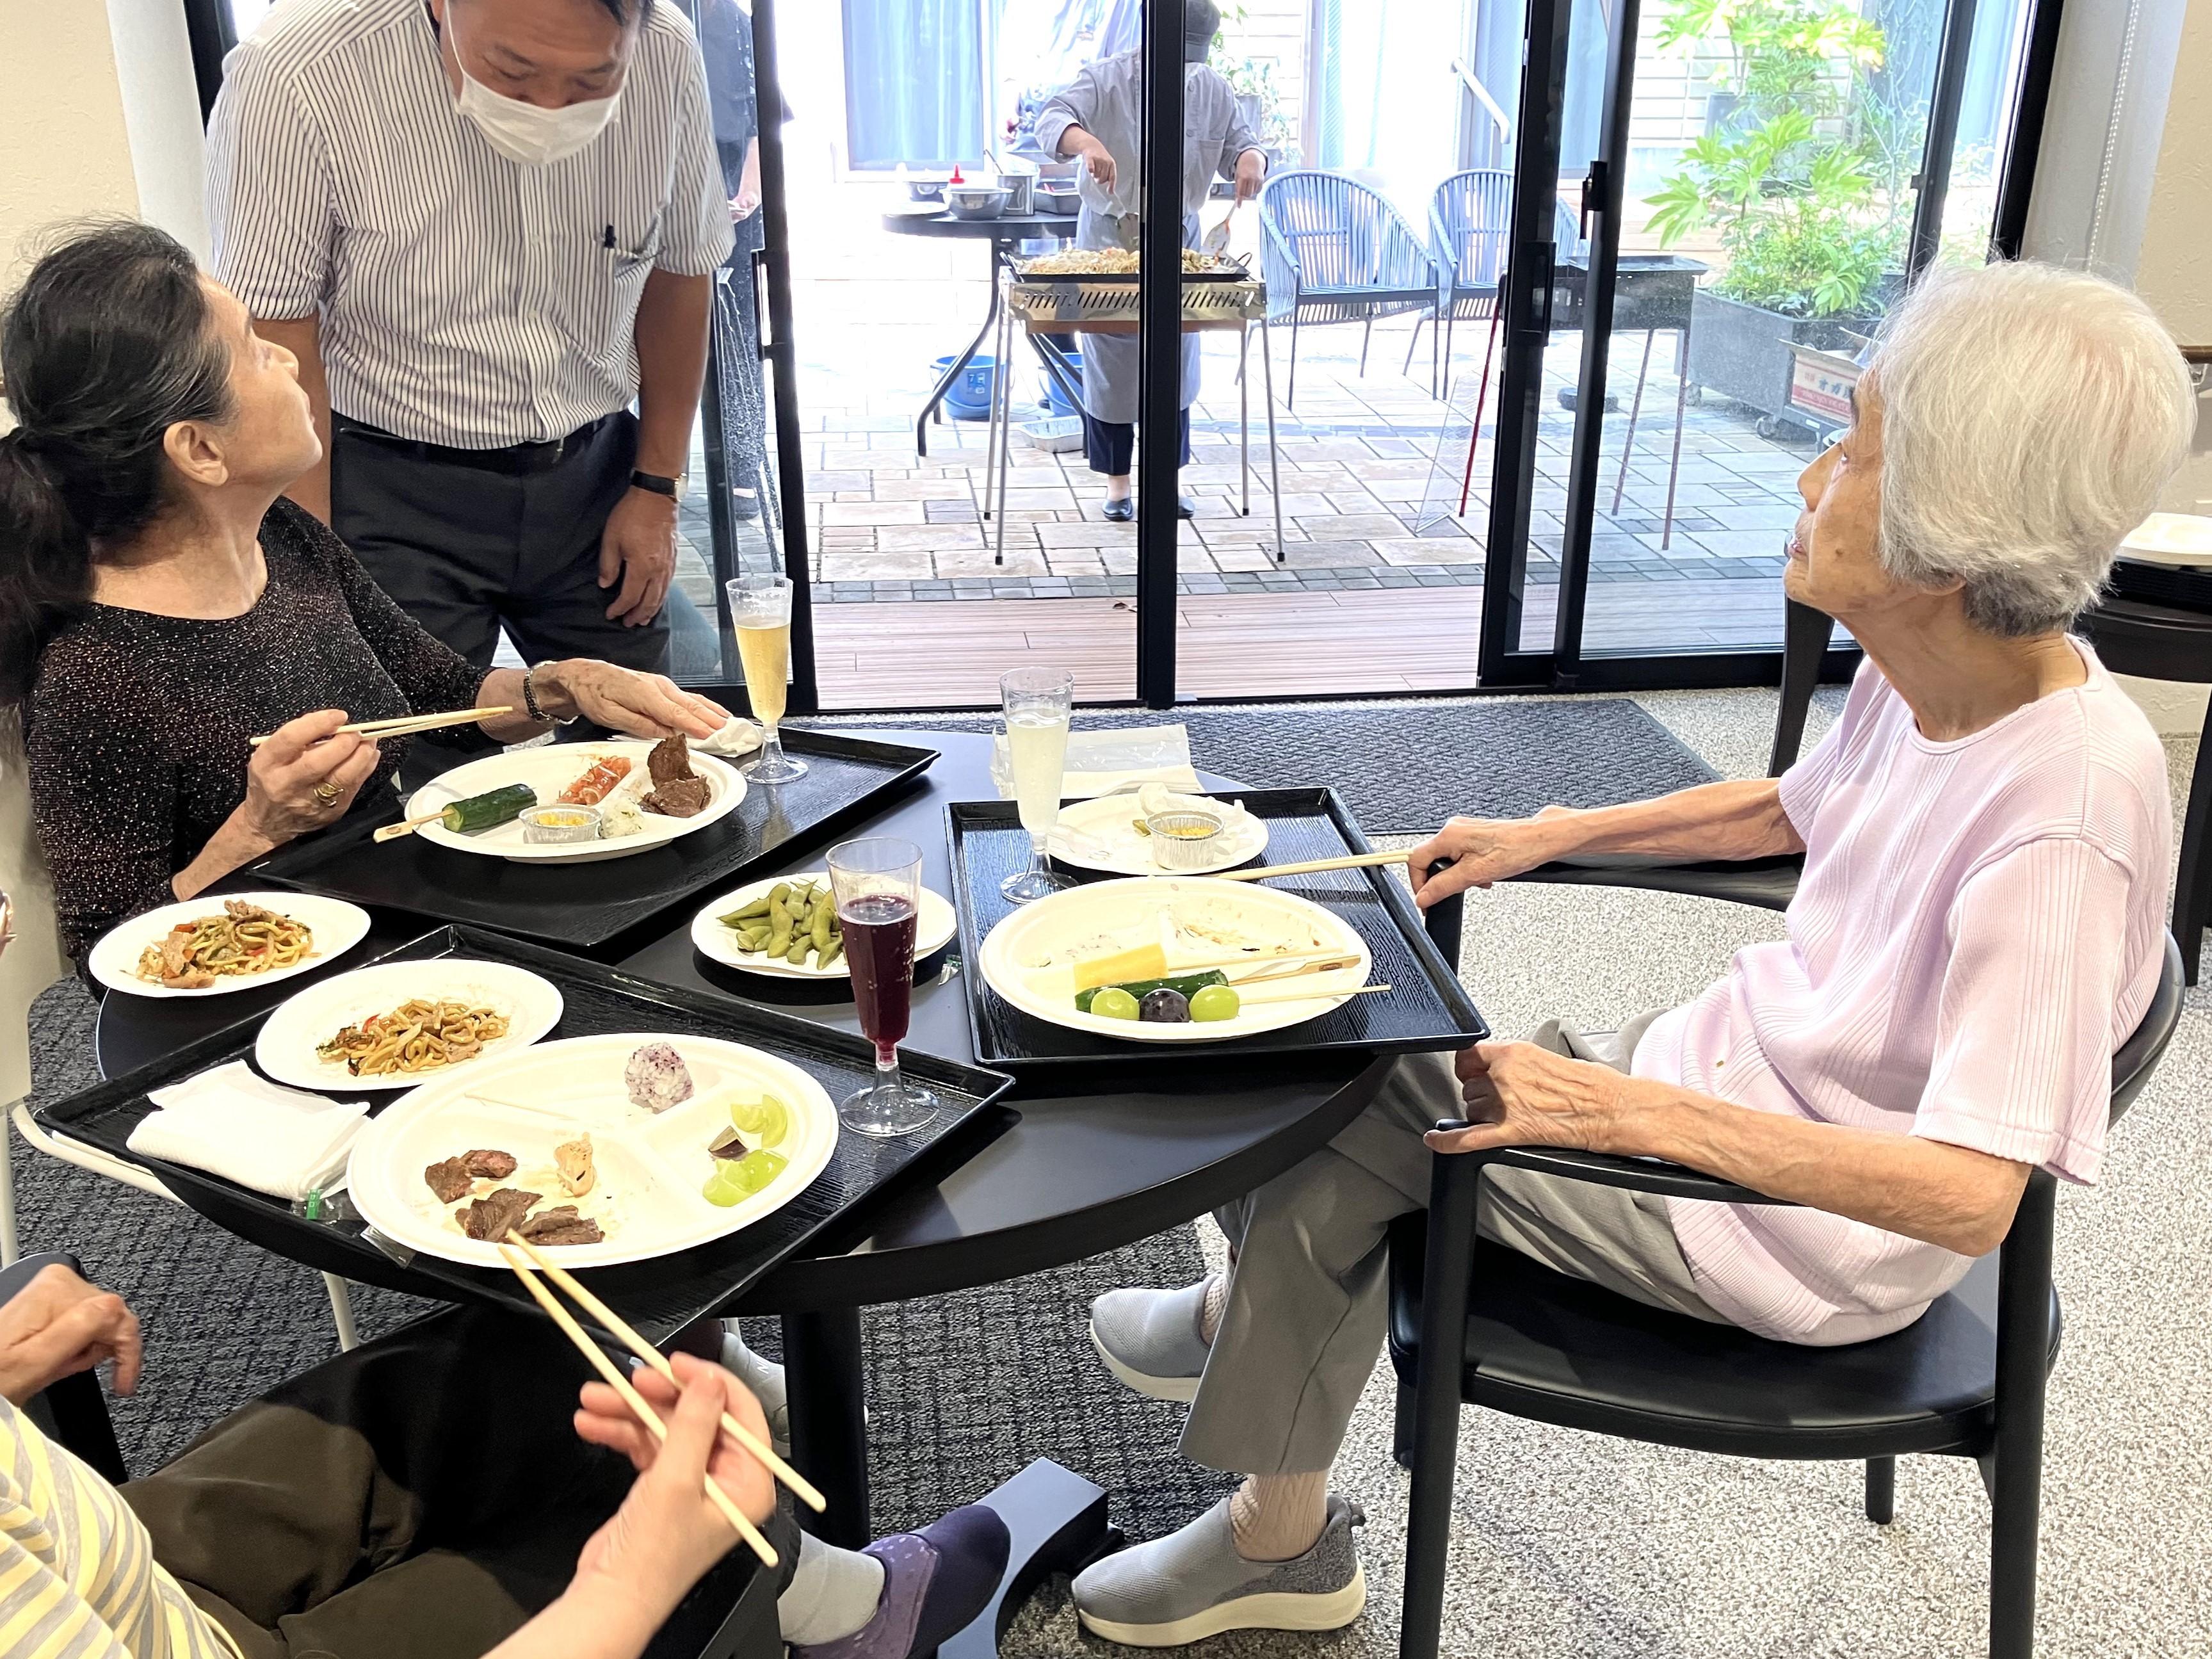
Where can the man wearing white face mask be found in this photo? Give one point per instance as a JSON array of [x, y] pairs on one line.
[[485, 228]]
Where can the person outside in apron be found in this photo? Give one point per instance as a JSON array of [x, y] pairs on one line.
[[1099, 117]]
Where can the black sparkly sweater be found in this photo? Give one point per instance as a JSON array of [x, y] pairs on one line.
[[137, 724]]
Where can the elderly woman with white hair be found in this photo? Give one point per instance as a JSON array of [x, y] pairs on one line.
[[1979, 925]]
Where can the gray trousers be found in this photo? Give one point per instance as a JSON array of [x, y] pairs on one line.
[[466, 552], [1307, 1301]]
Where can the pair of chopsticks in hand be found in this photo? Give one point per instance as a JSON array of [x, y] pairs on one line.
[[612, 1375], [405, 725]]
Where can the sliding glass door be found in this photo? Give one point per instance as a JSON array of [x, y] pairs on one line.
[[1721, 204]]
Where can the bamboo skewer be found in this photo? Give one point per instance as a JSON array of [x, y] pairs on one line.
[[403, 726], [623, 1333], [630, 1397], [407, 826], [1291, 994], [1319, 965], [1357, 861]]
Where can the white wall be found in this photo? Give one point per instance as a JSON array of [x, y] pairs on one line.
[[2124, 187], [98, 115]]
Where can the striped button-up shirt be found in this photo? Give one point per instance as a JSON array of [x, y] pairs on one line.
[[464, 299]]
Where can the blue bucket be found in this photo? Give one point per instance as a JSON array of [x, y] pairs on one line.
[[1053, 397], [968, 397]]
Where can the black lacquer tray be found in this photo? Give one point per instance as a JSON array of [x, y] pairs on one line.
[[589, 907], [1426, 1007], [659, 1297]]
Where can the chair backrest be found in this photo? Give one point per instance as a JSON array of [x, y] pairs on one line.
[[1566, 232], [2133, 1061], [1338, 230], [34, 961], [1475, 211]]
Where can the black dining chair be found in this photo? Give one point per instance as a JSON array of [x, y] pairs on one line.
[[730, 1613], [1475, 1322]]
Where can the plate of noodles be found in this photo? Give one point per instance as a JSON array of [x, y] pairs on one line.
[[224, 942], [400, 1024]]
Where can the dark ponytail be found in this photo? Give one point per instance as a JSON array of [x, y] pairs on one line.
[[105, 346]]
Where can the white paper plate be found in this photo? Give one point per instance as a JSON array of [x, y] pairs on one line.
[[550, 770], [934, 931], [1112, 844], [336, 926], [286, 1048], [651, 1167], [1015, 952]]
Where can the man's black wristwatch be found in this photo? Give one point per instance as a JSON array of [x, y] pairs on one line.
[[656, 483]]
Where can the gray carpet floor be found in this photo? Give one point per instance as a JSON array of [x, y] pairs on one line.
[[1564, 1544]]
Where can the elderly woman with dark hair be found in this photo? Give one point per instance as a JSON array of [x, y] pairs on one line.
[[1980, 924], [160, 603]]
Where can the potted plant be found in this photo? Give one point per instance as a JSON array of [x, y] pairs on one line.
[[1802, 178]]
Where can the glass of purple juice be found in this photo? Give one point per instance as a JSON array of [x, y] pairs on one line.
[[877, 884]]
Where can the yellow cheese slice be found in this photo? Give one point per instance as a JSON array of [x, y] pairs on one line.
[[1121, 967]]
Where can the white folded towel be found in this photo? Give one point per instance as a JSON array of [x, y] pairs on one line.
[[1102, 761], [738, 736], [233, 1122]]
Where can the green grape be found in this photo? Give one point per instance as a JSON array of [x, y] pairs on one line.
[[766, 1118], [1215, 1002], [757, 1168], [1114, 1003], [723, 1188]]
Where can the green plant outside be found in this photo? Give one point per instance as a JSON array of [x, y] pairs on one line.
[[1808, 183]]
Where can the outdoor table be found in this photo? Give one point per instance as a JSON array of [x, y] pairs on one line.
[[1076, 1171], [1002, 233]]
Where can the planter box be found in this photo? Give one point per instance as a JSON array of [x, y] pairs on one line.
[[1744, 352]]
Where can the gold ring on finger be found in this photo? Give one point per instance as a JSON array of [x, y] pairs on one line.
[[326, 793]]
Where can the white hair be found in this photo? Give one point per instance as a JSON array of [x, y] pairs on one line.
[[2030, 419]]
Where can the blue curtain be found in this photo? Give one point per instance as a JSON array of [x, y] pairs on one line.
[[913, 82]]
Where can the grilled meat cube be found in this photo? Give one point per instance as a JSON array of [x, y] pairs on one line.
[[562, 1226], [489, 1165], [496, 1213], [449, 1180], [671, 758], [679, 798]]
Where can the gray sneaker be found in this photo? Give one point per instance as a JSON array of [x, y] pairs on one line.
[[1193, 1584], [1149, 1339]]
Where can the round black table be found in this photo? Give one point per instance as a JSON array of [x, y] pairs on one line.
[[1002, 233], [1078, 1173]]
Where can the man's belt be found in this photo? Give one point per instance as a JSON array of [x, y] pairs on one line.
[[515, 459]]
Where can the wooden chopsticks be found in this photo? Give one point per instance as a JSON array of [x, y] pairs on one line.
[[622, 1331], [1357, 861], [402, 725], [630, 1397]]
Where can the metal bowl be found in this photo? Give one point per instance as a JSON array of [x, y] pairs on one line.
[[975, 201]]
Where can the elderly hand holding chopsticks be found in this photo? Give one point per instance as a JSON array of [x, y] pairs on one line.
[[668, 1525]]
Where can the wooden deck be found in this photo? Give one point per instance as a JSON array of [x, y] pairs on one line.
[[948, 655]]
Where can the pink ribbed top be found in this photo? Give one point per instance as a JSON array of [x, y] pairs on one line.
[[1980, 926]]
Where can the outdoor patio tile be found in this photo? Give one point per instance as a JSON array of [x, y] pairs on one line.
[[828, 481], [1087, 533], [1243, 582], [1349, 526], [1227, 559], [963, 511], [926, 538], [914, 489], [974, 562], [844, 567], [849, 513], [1428, 550], [1757, 515], [1330, 556], [1764, 459], [1764, 544], [1066, 564]]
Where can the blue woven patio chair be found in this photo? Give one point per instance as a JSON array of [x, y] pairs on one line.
[[1469, 218], [1333, 251]]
